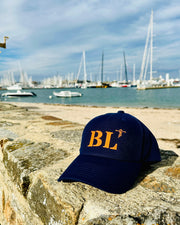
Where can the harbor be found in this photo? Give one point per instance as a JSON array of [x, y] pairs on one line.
[[115, 97], [73, 80], [81, 80]]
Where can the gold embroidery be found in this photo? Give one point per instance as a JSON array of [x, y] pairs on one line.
[[120, 132]]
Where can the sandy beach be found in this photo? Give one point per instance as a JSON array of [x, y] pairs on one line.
[[163, 123]]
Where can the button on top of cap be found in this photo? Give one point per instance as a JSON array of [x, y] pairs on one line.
[[121, 111]]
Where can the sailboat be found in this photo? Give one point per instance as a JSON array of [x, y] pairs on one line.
[[147, 58], [102, 84], [15, 87], [125, 83], [134, 83], [84, 85], [83, 61]]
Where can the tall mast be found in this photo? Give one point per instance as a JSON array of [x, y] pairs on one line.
[[80, 68], [146, 55], [121, 73], [83, 61], [151, 47], [102, 67], [125, 67], [85, 74], [133, 72]]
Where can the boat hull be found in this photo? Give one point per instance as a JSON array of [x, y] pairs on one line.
[[67, 94], [18, 94]]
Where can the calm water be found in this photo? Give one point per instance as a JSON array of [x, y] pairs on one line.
[[119, 97]]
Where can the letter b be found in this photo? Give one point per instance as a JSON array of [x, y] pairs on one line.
[[97, 138]]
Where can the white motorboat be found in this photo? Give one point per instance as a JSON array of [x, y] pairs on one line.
[[18, 94], [67, 94], [15, 87]]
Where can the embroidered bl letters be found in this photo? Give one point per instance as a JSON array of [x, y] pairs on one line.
[[96, 139]]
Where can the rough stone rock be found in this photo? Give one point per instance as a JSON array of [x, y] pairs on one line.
[[29, 169], [23, 157], [78, 203], [154, 199], [14, 208], [5, 133], [68, 135], [6, 107]]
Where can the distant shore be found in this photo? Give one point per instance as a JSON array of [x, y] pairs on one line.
[[163, 123]]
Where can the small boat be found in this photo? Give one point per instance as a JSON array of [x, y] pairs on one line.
[[14, 87], [125, 85], [67, 94], [18, 94]]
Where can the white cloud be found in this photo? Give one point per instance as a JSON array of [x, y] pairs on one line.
[[48, 36]]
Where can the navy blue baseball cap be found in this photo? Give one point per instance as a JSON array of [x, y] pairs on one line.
[[114, 149]]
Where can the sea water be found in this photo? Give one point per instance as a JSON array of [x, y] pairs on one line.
[[115, 97]]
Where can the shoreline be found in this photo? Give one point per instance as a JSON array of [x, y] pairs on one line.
[[94, 106]]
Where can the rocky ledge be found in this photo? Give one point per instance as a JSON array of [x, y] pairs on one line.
[[36, 149]]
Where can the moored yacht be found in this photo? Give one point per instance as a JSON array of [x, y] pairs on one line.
[[67, 94], [14, 87], [18, 94]]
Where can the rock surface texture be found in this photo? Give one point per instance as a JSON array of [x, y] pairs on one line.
[[37, 148]]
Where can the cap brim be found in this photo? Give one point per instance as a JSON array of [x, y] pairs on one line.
[[109, 175]]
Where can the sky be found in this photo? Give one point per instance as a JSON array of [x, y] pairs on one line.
[[47, 37]]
